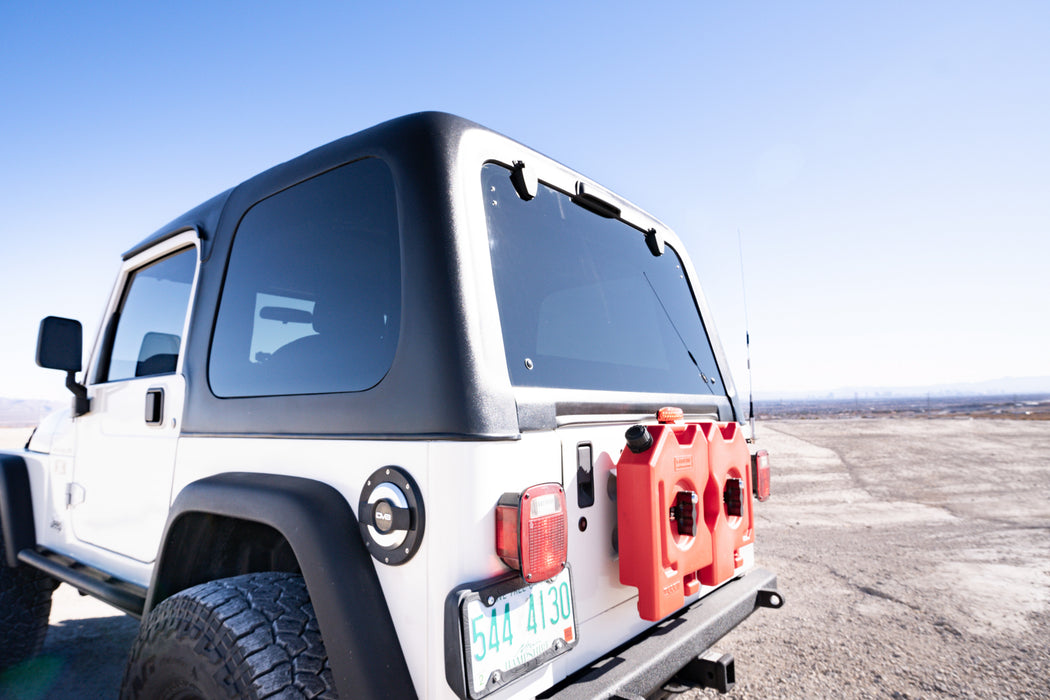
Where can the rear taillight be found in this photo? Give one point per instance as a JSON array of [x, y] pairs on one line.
[[760, 474], [532, 531]]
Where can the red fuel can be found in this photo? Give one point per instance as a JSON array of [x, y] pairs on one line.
[[727, 499], [664, 540], [683, 510]]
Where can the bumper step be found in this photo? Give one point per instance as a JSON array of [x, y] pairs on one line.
[[642, 666]]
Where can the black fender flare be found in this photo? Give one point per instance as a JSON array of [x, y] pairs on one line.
[[322, 530], [16, 508]]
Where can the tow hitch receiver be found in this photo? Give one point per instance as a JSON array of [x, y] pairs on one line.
[[712, 669], [683, 510]]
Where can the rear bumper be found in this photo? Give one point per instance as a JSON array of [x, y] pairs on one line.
[[647, 662]]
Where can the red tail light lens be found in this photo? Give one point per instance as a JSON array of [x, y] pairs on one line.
[[532, 531], [760, 474]]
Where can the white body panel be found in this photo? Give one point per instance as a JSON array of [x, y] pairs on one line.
[[124, 466], [344, 465], [467, 480], [460, 483], [51, 476]]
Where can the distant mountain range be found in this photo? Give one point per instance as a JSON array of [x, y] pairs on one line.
[[26, 412], [1006, 386]]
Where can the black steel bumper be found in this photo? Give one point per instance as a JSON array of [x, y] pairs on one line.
[[647, 662]]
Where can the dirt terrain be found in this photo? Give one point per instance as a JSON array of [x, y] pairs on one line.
[[915, 559], [914, 555]]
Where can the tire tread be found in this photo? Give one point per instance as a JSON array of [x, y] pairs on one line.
[[255, 632], [25, 607]]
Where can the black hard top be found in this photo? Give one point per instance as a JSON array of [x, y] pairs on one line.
[[204, 218], [446, 381]]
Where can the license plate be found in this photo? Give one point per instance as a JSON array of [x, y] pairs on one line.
[[507, 633]]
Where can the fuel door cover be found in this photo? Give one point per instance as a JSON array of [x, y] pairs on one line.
[[391, 515]]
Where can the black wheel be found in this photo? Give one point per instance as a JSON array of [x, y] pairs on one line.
[[25, 606], [251, 636]]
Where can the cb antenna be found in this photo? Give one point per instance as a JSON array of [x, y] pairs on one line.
[[747, 340]]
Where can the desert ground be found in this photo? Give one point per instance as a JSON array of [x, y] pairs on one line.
[[914, 555]]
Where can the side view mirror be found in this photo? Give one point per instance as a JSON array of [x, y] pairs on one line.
[[59, 345]]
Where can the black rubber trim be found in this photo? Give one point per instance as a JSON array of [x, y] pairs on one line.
[[322, 530], [16, 508], [648, 661], [120, 594]]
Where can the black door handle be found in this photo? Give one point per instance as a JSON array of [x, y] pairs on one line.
[[155, 406]]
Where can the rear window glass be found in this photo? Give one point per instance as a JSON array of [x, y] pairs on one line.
[[312, 298], [584, 304]]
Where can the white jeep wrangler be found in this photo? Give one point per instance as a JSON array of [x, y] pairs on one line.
[[384, 421]]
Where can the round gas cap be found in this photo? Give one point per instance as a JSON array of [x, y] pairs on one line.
[[383, 515], [390, 513]]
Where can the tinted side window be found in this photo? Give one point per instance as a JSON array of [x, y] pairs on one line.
[[312, 298], [151, 318]]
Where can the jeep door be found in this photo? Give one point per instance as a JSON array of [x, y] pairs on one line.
[[126, 443]]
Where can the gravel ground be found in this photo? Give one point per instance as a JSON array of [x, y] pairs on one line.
[[83, 656], [914, 556]]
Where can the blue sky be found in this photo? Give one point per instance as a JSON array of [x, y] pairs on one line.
[[886, 164]]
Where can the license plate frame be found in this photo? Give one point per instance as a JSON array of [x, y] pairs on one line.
[[500, 610]]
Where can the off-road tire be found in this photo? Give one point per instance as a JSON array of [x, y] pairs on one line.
[[25, 606], [253, 636]]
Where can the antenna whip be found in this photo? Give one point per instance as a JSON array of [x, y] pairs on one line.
[[747, 339]]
